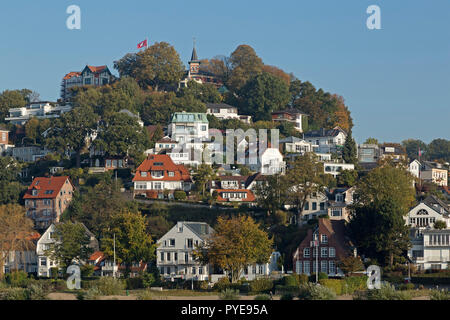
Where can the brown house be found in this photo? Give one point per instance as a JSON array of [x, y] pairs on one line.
[[330, 242], [4, 135], [46, 199]]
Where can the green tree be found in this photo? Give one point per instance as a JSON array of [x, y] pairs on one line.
[[120, 135], [203, 175], [371, 141], [133, 243], [439, 149], [10, 188], [206, 93], [349, 154], [379, 231], [351, 264], [13, 99], [386, 183], [71, 243], [236, 243], [347, 178], [440, 224], [412, 147], [159, 66], [262, 95], [271, 194], [72, 130], [304, 177]]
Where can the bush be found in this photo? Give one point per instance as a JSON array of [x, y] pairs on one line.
[[312, 291], [229, 294], [322, 275], [302, 278], [440, 295], [91, 294], [146, 295], [87, 270], [179, 195], [37, 291], [14, 294], [291, 281], [108, 286], [263, 297], [406, 286], [222, 284], [387, 292], [261, 285], [281, 289], [58, 285], [336, 285], [353, 284], [18, 279], [287, 296]]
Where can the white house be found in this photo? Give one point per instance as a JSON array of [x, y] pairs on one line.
[[45, 263], [434, 172], [414, 168], [297, 145], [29, 154], [269, 162], [329, 141], [174, 255], [427, 212], [315, 206], [189, 127], [293, 116], [224, 111], [335, 168], [430, 249], [40, 110]]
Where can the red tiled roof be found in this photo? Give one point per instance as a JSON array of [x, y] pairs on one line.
[[180, 172], [71, 75], [48, 188], [250, 195], [96, 255], [96, 69]]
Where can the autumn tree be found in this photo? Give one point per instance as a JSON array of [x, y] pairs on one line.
[[15, 228], [71, 243], [133, 243], [304, 177], [271, 193], [158, 66], [236, 243], [245, 65], [351, 264], [277, 72]]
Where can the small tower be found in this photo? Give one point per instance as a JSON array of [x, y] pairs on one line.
[[194, 64]]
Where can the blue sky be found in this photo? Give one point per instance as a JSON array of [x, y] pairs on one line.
[[396, 81]]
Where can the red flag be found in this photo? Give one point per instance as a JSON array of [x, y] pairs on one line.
[[420, 153], [142, 44]]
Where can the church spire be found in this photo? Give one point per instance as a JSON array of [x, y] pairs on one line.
[[194, 53]]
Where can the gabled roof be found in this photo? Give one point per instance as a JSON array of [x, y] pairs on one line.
[[166, 139], [47, 188], [324, 133], [98, 69], [250, 195], [72, 74], [433, 202], [161, 162], [201, 229]]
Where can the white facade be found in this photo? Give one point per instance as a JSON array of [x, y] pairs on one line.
[[430, 249], [40, 110], [189, 127], [424, 216], [174, 255], [222, 111], [315, 206], [327, 140], [414, 168], [269, 162], [29, 154], [335, 168]]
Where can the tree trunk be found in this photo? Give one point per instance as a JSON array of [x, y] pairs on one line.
[[391, 259]]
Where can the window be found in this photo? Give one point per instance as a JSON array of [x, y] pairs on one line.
[[306, 252], [48, 191], [190, 243], [203, 128], [175, 256], [324, 266], [43, 261], [336, 212], [332, 252], [47, 202], [87, 81], [194, 271], [200, 270], [186, 256], [171, 174], [324, 238], [307, 206], [162, 256], [340, 197], [332, 267], [322, 206], [306, 267], [298, 267], [34, 192], [314, 206], [171, 242], [168, 256], [143, 174], [157, 185]]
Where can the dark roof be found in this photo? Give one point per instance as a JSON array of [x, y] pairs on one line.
[[432, 201], [290, 111], [194, 56], [324, 133], [200, 228]]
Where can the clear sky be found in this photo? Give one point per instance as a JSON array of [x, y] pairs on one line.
[[396, 81]]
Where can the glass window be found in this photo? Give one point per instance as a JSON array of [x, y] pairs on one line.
[[162, 256], [306, 252], [324, 266], [190, 243], [172, 242], [324, 238], [323, 252], [314, 206], [332, 252], [332, 267], [306, 267]]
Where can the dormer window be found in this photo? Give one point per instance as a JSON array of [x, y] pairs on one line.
[[143, 174], [340, 197], [171, 174], [34, 192]]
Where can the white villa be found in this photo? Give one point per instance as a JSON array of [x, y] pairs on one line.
[[40, 110]]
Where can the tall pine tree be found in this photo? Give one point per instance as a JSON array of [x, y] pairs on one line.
[[349, 154]]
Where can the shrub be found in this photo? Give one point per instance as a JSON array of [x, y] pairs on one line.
[[353, 284], [406, 286], [287, 296], [440, 295], [302, 278], [263, 297], [58, 285], [179, 195], [280, 289], [229, 294], [93, 293], [322, 275], [87, 270], [17, 279], [336, 285], [146, 295], [312, 291], [37, 291], [387, 292], [261, 285], [291, 281], [14, 294], [222, 284], [108, 286]]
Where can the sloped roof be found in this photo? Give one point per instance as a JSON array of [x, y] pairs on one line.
[[201, 229], [250, 195], [189, 117], [48, 188], [72, 74], [324, 133], [161, 162]]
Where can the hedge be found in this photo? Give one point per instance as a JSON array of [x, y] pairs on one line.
[[430, 279]]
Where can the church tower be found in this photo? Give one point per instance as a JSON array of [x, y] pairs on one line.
[[194, 64]]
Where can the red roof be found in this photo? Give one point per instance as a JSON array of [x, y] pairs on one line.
[[250, 195], [96, 69], [71, 75], [161, 162], [96, 255], [48, 188]]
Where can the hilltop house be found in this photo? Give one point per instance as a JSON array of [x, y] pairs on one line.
[[4, 141], [159, 174], [427, 212], [296, 145], [328, 245], [393, 151], [430, 249], [23, 256], [329, 141], [29, 153], [95, 76], [434, 172], [339, 201], [45, 263], [46, 199], [269, 162], [224, 111]]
